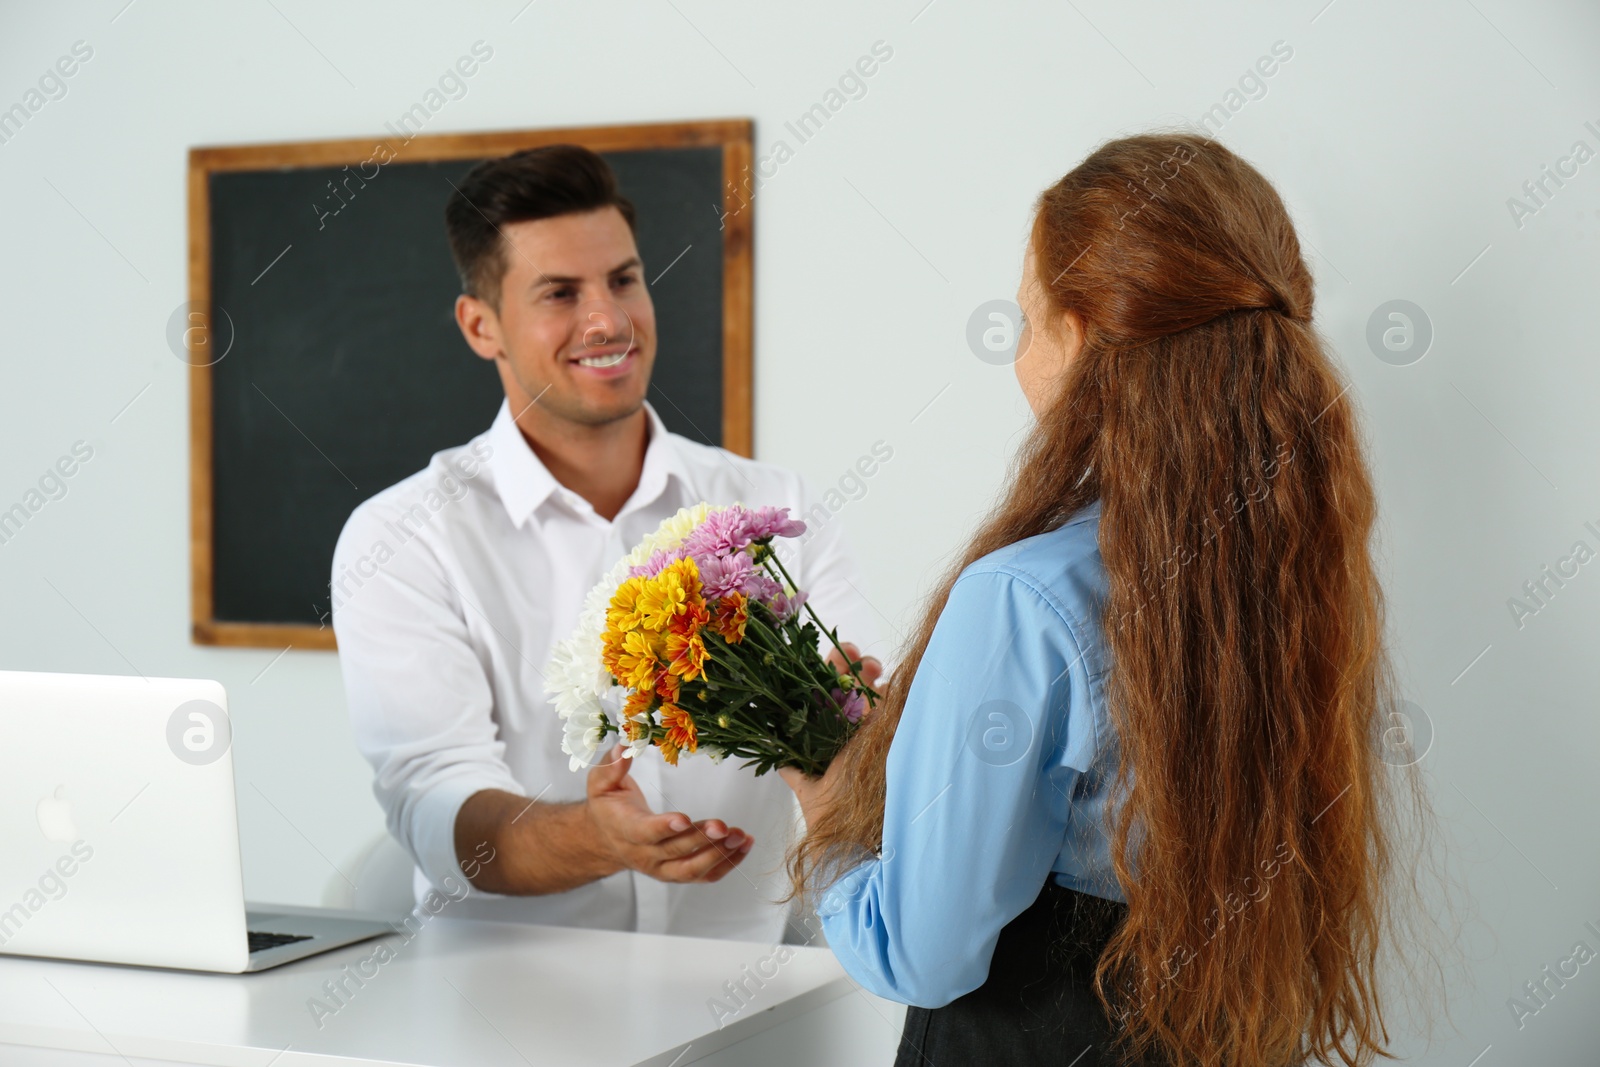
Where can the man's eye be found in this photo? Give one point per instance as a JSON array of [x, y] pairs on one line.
[[560, 294], [625, 280]]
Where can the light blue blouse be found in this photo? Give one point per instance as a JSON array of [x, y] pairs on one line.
[[997, 776]]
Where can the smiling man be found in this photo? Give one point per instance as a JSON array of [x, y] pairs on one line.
[[443, 641]]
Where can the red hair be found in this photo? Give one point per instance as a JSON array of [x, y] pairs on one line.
[[1249, 682]]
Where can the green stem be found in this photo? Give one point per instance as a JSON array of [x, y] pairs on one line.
[[757, 753], [749, 682], [783, 654], [849, 663]]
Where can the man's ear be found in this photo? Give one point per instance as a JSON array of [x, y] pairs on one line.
[[480, 326]]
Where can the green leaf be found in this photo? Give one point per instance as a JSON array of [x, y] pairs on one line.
[[798, 717]]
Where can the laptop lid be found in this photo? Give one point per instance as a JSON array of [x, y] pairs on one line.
[[118, 823]]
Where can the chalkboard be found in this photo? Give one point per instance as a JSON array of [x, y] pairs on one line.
[[325, 363]]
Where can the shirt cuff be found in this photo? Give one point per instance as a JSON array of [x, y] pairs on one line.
[[846, 929], [433, 829]]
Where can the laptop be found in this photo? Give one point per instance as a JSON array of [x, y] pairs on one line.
[[120, 833]]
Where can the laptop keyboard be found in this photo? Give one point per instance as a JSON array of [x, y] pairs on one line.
[[260, 940]]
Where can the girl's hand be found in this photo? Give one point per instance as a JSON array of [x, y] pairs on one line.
[[814, 794]]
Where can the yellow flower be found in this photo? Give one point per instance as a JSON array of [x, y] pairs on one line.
[[668, 594], [623, 613], [636, 661]]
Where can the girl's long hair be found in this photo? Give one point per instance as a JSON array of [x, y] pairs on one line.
[[1248, 683]]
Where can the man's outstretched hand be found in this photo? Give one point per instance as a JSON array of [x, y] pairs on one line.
[[666, 846], [539, 848], [871, 669]]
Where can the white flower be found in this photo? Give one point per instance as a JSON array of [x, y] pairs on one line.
[[582, 735], [575, 678], [668, 535], [568, 677]]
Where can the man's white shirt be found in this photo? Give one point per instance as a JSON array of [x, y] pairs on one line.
[[450, 589]]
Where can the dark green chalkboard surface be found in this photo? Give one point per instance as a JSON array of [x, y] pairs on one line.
[[328, 284]]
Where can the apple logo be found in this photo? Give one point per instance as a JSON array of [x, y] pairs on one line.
[[55, 816]]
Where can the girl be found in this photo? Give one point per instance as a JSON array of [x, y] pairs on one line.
[[1130, 806]]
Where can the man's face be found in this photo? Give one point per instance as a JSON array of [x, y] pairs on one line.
[[575, 326]]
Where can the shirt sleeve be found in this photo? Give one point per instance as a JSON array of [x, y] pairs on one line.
[[995, 733], [419, 698]]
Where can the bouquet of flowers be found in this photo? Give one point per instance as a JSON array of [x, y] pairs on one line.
[[696, 642]]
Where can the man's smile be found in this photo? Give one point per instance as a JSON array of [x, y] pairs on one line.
[[608, 361]]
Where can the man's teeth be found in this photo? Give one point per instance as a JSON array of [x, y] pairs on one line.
[[602, 361]]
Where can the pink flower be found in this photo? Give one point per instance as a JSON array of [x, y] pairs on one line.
[[853, 704], [760, 586], [656, 563], [721, 575], [736, 528], [775, 522], [784, 606]]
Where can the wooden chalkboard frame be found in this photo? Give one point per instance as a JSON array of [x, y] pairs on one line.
[[733, 136]]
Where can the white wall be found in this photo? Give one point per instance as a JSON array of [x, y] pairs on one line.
[[1397, 135]]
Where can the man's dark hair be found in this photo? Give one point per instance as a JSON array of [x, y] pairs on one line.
[[536, 183]]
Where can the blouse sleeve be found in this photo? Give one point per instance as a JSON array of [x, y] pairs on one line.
[[995, 733]]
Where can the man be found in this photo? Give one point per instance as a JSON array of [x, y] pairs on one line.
[[442, 641]]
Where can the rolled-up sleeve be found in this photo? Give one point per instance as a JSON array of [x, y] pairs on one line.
[[994, 736], [419, 698]]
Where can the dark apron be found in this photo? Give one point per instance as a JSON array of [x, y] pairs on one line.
[[1038, 1005]]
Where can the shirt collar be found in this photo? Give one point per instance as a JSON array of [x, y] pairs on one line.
[[525, 483], [1089, 511]]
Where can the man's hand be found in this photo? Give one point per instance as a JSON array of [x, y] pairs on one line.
[[871, 669], [667, 847]]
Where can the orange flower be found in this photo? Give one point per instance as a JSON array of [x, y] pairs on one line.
[[611, 652], [638, 704], [680, 731], [668, 687], [635, 730], [686, 655], [729, 618], [692, 618], [636, 721]]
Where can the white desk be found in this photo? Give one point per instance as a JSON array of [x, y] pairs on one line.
[[476, 994]]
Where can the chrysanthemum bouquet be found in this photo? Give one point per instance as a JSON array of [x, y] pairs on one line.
[[696, 642]]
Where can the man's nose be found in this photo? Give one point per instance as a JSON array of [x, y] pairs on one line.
[[602, 322]]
